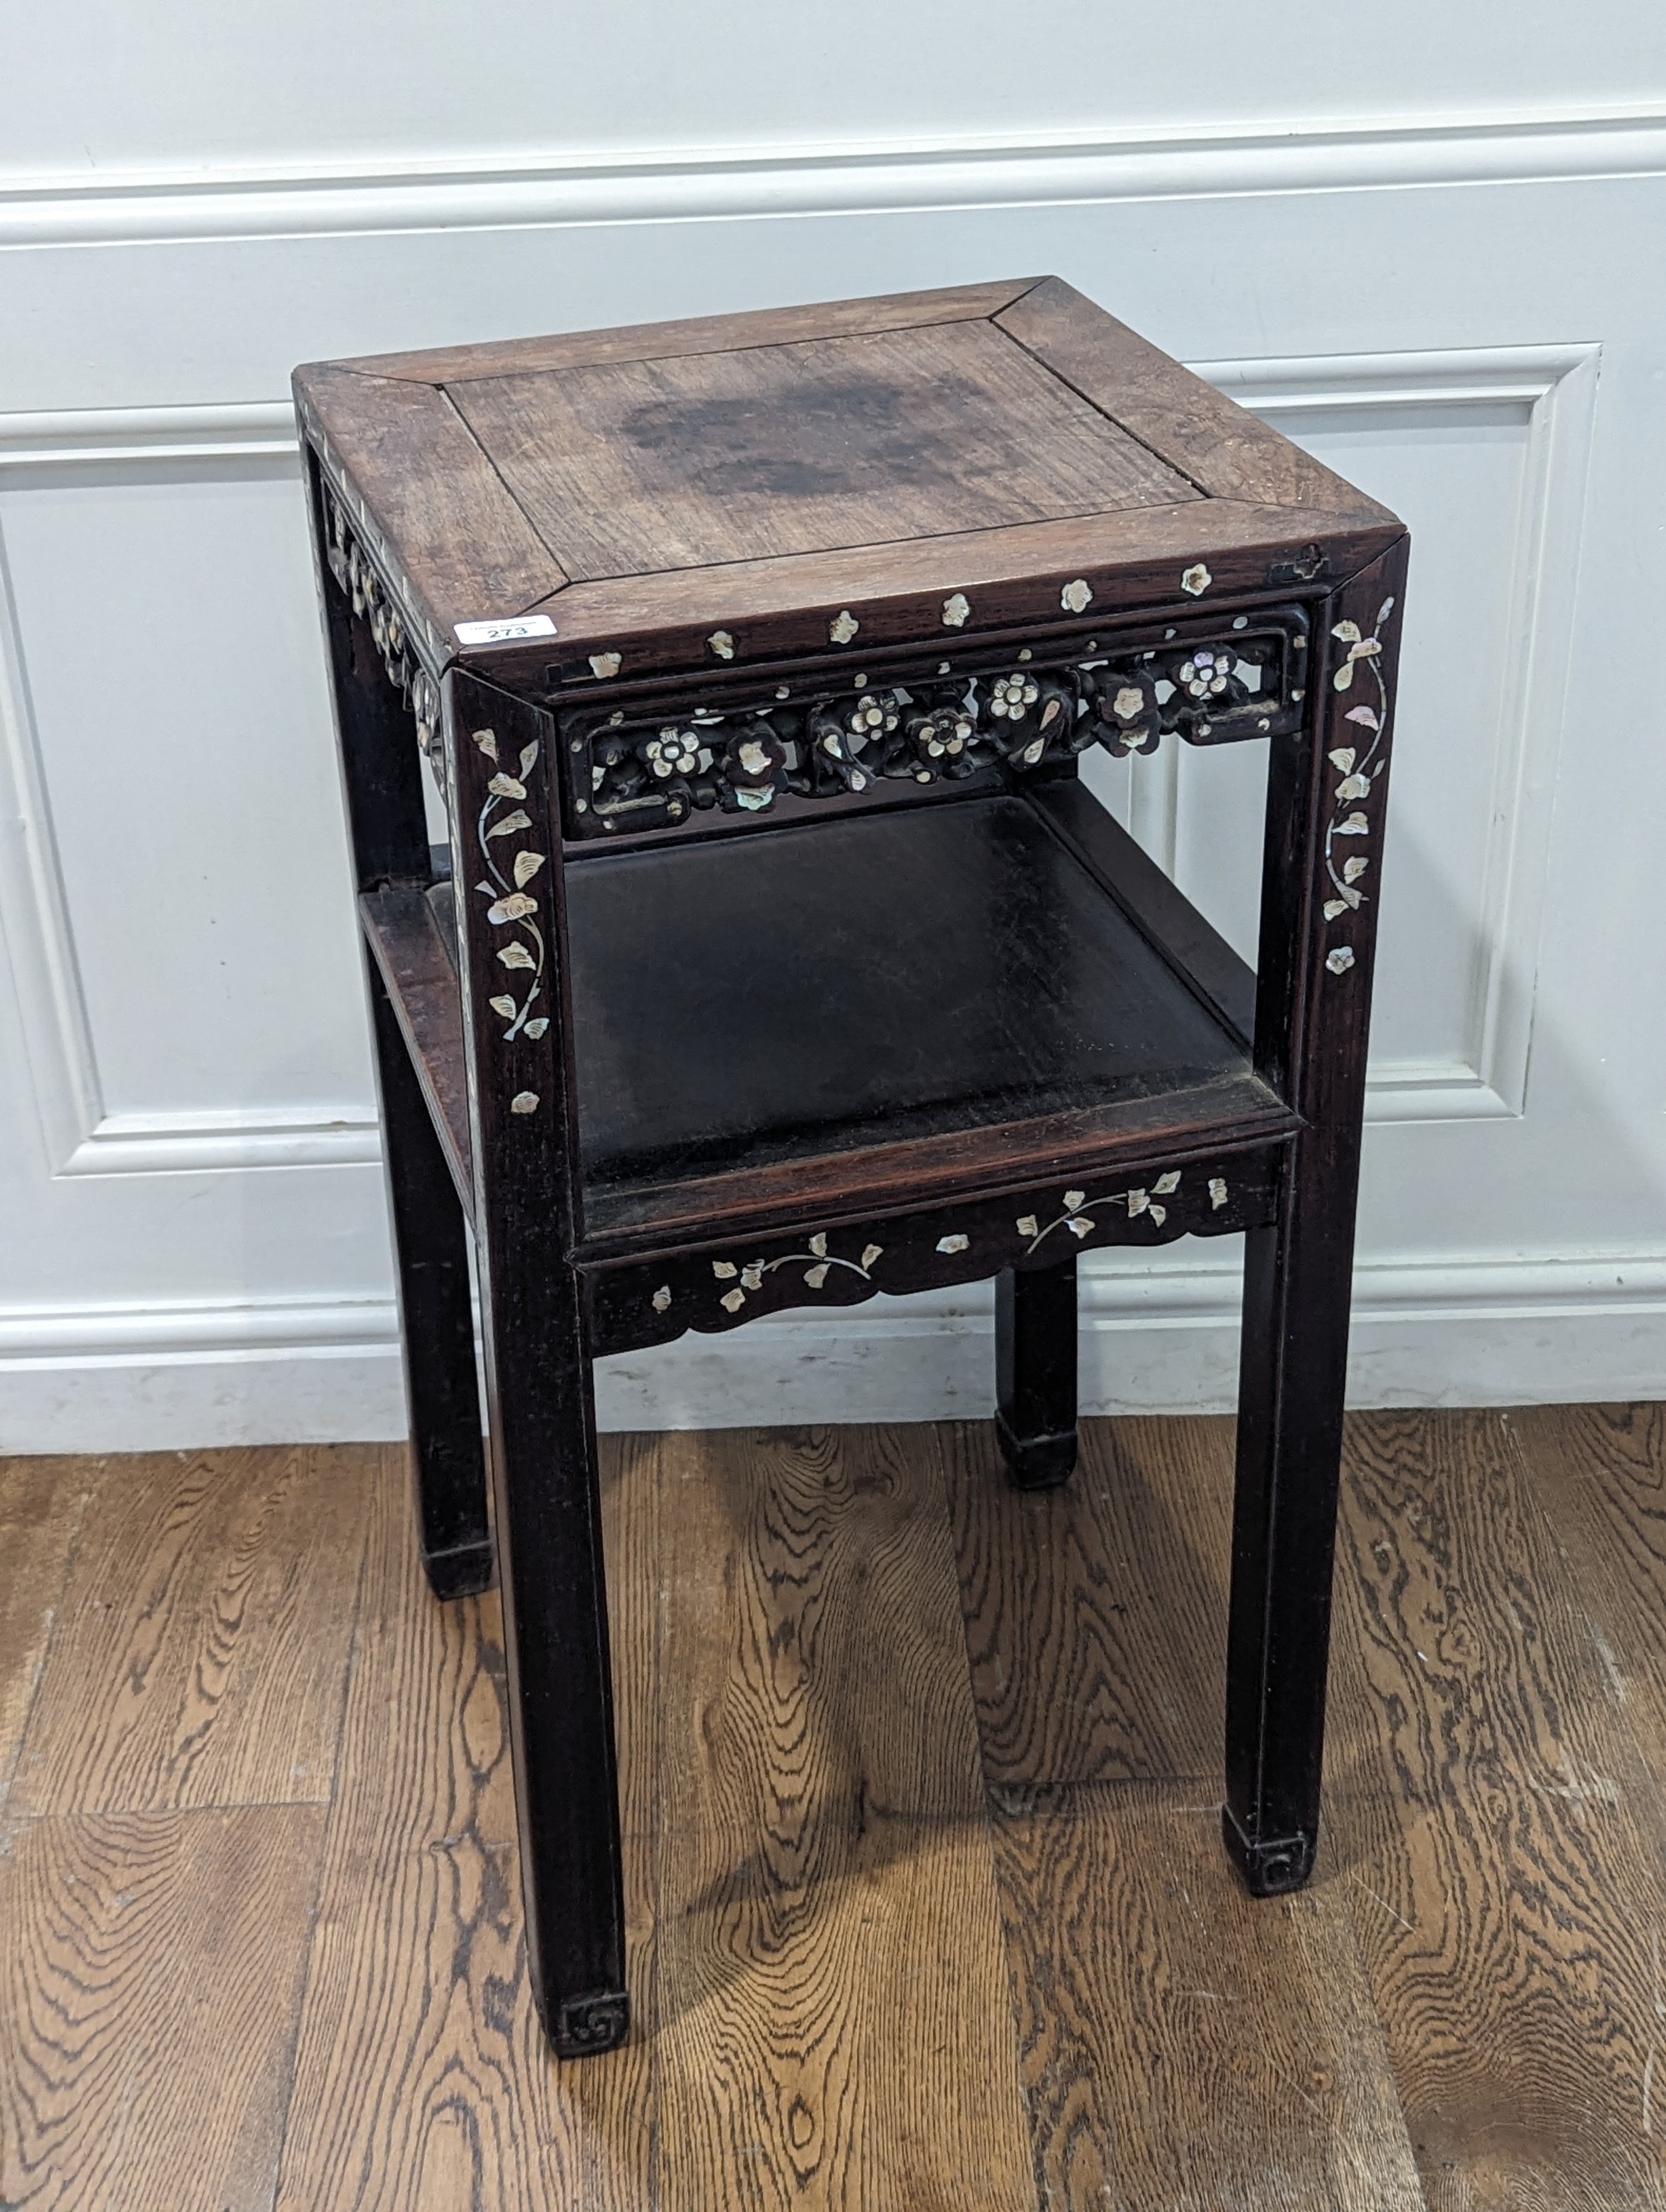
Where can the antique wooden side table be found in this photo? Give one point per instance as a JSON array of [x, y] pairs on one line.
[[779, 957]]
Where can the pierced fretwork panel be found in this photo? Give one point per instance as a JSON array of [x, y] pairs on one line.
[[353, 572], [721, 1287], [653, 763]]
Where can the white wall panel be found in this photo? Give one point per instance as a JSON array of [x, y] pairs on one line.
[[1432, 280], [97, 85], [197, 1011]]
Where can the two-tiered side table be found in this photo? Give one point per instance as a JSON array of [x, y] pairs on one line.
[[779, 957]]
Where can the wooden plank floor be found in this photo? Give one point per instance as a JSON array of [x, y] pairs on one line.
[[920, 1778]]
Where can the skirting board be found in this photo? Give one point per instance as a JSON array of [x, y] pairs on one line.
[[1514, 1332]]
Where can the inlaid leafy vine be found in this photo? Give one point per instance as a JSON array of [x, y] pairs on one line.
[[1359, 771], [1078, 1208], [512, 906], [740, 1279], [749, 1276]]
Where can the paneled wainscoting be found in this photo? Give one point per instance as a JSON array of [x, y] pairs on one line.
[[1423, 267], [920, 1798]]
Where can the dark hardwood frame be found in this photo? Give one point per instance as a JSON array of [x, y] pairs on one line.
[[1274, 1157]]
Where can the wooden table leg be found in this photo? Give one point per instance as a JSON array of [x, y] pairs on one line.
[[1326, 801], [1289, 1456], [1035, 1373], [381, 783], [555, 1620], [536, 1325], [436, 1322]]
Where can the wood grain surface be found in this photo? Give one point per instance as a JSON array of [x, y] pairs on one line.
[[638, 466], [762, 326], [423, 2079], [463, 545], [1218, 445], [1134, 557], [920, 1789], [41, 1504], [1094, 1614], [149, 1979], [1504, 1880], [1184, 2044], [835, 2024], [1600, 1472], [210, 1605]]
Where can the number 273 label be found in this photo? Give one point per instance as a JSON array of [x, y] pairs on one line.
[[504, 633]]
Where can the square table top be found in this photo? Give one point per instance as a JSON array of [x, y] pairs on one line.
[[755, 486]]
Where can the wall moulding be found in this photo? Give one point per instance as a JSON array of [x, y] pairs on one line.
[[1468, 1331], [80, 1136], [1553, 388], [680, 184]]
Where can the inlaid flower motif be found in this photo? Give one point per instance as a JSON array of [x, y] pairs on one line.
[[675, 751], [874, 714], [1207, 674], [843, 627], [957, 610], [943, 735], [754, 763], [1130, 718], [1076, 597], [1011, 697], [1195, 581]]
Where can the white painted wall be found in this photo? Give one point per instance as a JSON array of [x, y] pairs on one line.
[[1427, 244]]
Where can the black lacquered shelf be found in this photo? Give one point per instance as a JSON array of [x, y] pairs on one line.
[[779, 1021]]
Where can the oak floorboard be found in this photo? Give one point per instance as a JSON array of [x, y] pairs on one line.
[[1505, 1884], [202, 1634], [1095, 1613], [835, 2024], [1184, 2044], [1599, 1473], [42, 1501], [149, 1982], [424, 2083]]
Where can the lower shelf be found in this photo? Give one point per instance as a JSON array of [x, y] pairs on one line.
[[852, 1022], [401, 931]]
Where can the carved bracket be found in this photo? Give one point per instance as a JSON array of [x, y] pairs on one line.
[[653, 765], [651, 1302]]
